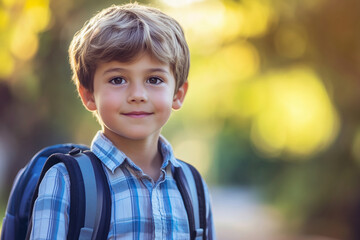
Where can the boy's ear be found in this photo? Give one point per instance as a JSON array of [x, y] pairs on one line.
[[180, 96], [87, 98]]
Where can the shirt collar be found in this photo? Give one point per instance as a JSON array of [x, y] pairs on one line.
[[112, 157], [167, 153]]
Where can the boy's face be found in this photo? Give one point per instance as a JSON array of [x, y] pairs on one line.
[[133, 99]]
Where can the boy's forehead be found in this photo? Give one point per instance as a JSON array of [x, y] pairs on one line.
[[144, 56], [143, 61]]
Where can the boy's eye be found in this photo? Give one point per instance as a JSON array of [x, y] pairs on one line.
[[155, 80], [117, 80]]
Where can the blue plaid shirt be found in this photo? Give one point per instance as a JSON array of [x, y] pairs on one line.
[[141, 208]]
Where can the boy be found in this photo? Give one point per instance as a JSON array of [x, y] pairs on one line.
[[130, 65]]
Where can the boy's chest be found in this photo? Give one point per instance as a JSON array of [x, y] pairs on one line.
[[143, 210]]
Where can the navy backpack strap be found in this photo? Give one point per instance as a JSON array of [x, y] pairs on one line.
[[194, 199], [98, 197], [181, 184], [90, 200], [201, 198], [77, 193]]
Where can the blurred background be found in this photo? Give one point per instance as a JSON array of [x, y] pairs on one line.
[[271, 118]]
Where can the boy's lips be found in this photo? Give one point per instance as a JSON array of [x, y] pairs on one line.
[[137, 114]]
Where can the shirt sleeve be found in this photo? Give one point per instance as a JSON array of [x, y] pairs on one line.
[[50, 216], [209, 217]]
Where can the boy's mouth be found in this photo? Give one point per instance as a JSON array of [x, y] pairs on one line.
[[137, 114]]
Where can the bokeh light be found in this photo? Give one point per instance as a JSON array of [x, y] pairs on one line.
[[272, 106], [20, 24], [297, 116]]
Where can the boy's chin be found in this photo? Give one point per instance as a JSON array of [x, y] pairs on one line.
[[134, 135]]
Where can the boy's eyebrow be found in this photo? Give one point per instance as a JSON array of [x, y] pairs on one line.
[[150, 70], [157, 70], [115, 69]]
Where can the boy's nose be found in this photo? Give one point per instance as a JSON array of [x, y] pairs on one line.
[[137, 94]]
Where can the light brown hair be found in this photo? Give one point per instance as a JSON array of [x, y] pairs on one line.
[[121, 33]]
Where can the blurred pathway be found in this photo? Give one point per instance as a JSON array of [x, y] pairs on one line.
[[238, 214]]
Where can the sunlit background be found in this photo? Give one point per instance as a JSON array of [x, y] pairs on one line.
[[271, 118]]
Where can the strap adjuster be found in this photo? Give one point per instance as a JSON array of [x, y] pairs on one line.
[[199, 233], [74, 151]]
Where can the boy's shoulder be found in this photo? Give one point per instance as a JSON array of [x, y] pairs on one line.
[[63, 167]]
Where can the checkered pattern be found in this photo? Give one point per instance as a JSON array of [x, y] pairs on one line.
[[141, 208]]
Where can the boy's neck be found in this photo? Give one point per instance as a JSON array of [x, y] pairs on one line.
[[144, 153]]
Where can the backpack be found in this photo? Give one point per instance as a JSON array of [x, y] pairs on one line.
[[90, 199]]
